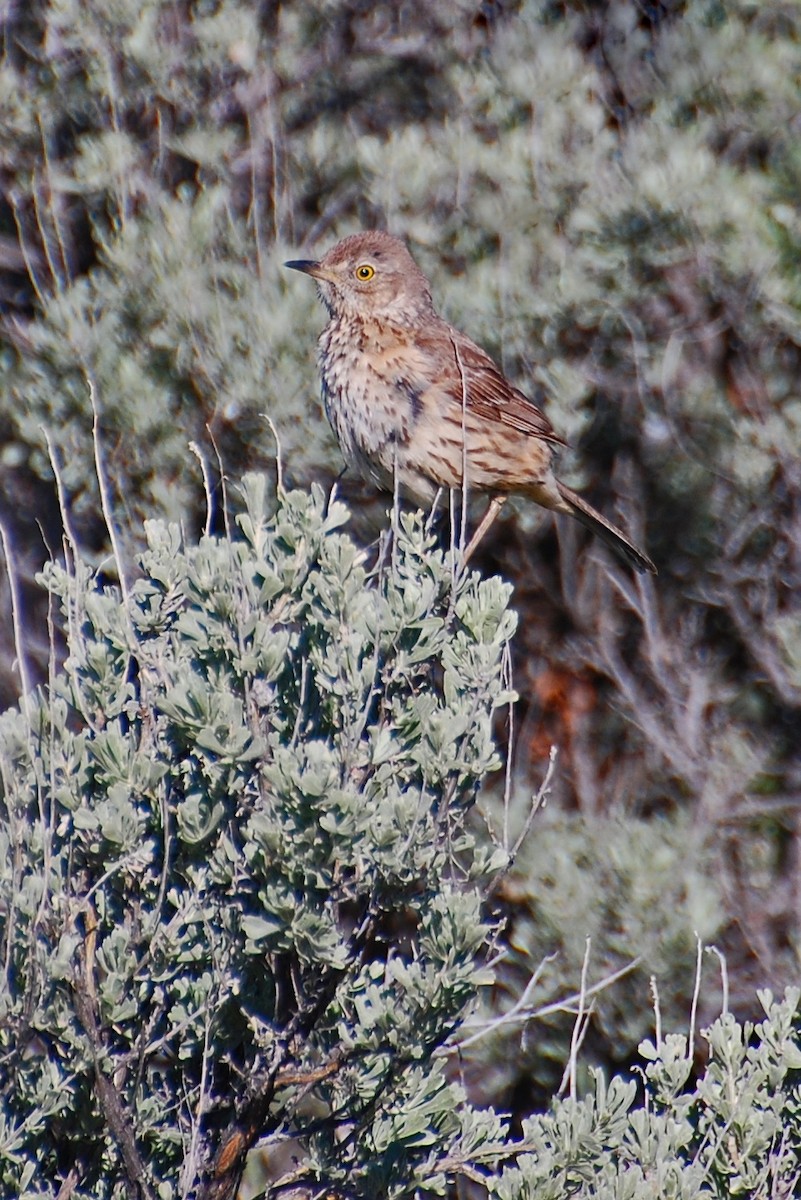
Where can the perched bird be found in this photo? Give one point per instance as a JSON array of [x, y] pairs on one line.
[[415, 402]]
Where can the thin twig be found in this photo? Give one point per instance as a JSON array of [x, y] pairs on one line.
[[279, 466], [699, 950], [16, 622], [580, 1023], [223, 491], [538, 801], [207, 488], [657, 1015], [724, 976], [63, 507], [105, 494]]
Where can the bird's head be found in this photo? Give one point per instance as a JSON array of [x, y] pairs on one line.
[[370, 274]]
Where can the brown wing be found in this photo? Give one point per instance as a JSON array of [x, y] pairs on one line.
[[491, 396]]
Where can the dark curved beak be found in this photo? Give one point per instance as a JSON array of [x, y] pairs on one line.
[[307, 265]]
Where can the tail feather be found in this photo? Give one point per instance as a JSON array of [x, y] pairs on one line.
[[605, 530]]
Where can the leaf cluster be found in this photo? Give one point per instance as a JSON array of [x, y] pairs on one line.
[[737, 1134]]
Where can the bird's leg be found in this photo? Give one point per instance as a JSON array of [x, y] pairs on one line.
[[493, 508]]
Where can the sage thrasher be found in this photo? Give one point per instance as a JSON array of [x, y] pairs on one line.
[[416, 403]]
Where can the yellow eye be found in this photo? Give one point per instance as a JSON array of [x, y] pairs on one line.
[[364, 272]]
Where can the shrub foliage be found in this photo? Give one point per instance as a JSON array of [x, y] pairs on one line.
[[236, 873], [241, 899]]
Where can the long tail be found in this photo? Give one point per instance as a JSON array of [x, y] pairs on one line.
[[605, 530]]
